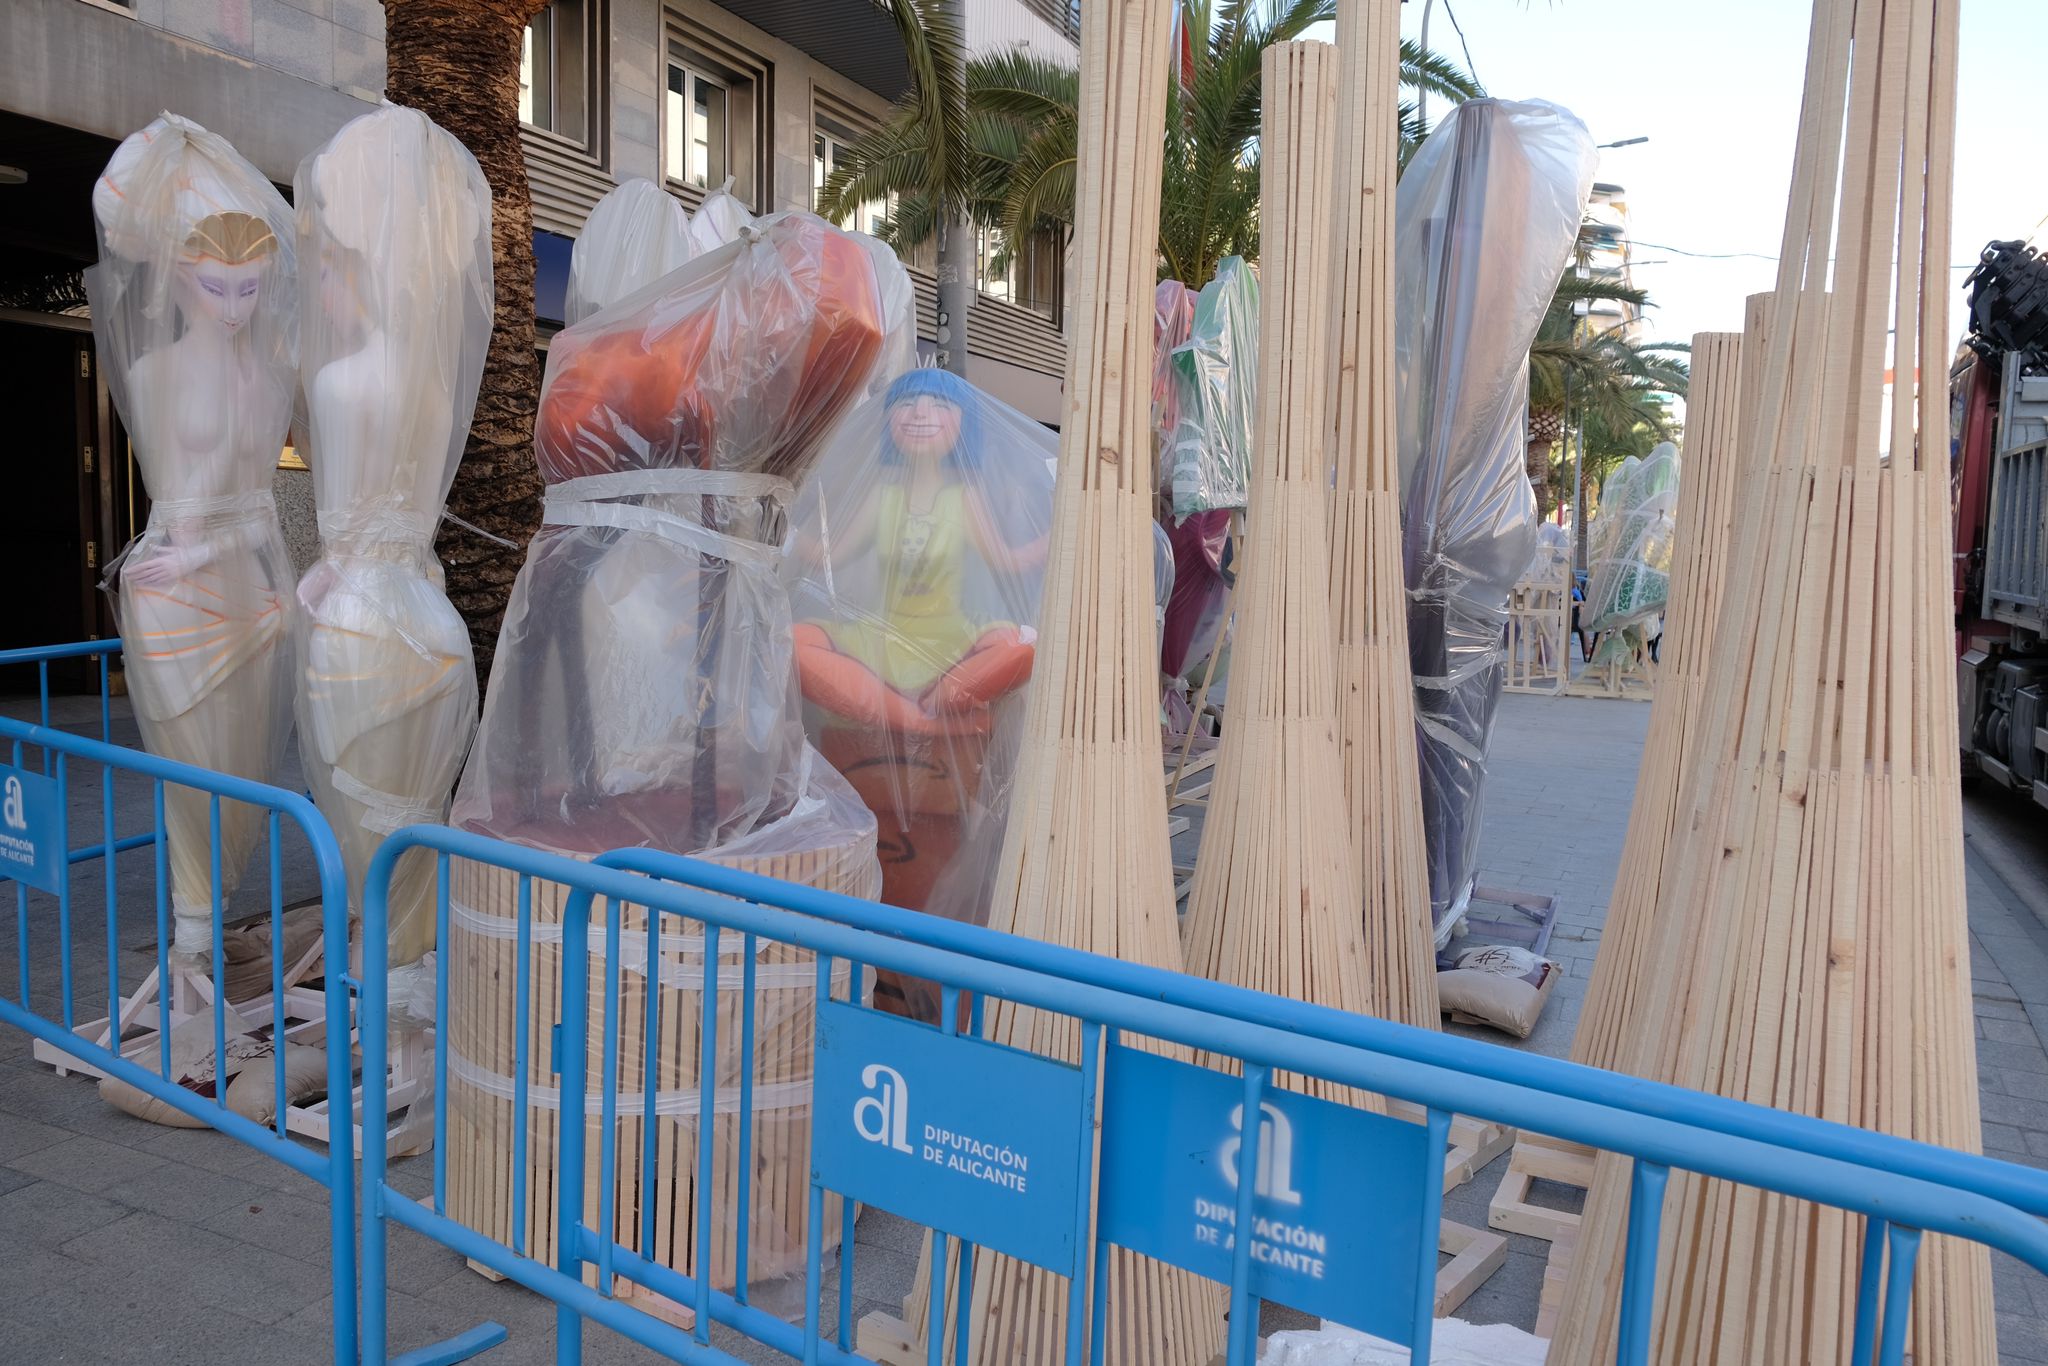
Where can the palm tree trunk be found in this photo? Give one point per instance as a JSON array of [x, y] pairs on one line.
[[956, 245], [457, 61], [956, 292], [1537, 463]]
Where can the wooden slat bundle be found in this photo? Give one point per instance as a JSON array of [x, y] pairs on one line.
[[1276, 895], [1085, 860], [482, 1021], [1375, 682], [1814, 942], [1625, 982]]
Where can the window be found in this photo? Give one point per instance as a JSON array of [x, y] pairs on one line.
[[696, 117], [716, 95], [555, 70], [1025, 273], [993, 275], [829, 143]]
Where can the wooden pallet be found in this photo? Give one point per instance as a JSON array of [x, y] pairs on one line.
[[141, 1014], [1538, 1157], [1557, 1274], [1628, 680], [1539, 651], [1473, 1142]]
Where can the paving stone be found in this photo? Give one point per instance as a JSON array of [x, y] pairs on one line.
[[2005, 1136], [20, 1136], [208, 1267], [47, 1215], [2020, 1057], [86, 1163], [185, 1193], [2010, 1031]]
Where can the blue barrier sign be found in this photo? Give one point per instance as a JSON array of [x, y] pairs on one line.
[[1340, 1205], [31, 829], [975, 1139]]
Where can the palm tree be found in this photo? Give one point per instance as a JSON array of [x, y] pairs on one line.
[[1618, 387], [457, 61], [1022, 128]]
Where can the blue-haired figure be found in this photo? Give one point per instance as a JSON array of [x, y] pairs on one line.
[[922, 663]]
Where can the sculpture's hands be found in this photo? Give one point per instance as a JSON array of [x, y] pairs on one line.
[[168, 563]]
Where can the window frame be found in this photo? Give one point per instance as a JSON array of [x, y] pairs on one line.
[[591, 79], [693, 75], [716, 57]]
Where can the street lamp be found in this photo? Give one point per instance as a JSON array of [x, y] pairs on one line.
[[1625, 142]]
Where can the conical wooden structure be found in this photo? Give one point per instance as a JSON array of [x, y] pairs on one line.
[[1814, 945], [1085, 860], [1368, 599], [1276, 893], [1623, 987]]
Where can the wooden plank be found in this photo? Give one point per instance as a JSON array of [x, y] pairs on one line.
[[1475, 1255], [1820, 826], [1276, 898], [1085, 860], [1368, 593]]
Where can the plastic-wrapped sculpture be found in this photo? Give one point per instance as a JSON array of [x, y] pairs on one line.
[[1216, 370], [195, 317], [395, 233], [1173, 317], [1484, 223], [1629, 546], [921, 553], [718, 220], [635, 235], [644, 692]]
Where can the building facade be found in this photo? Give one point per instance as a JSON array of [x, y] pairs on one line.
[[689, 93], [1610, 258]]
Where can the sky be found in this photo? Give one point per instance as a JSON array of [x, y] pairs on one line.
[[1715, 86]]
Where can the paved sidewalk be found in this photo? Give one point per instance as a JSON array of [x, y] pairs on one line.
[[124, 1242]]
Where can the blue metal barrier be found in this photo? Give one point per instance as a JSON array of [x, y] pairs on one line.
[[1902, 1188], [34, 847]]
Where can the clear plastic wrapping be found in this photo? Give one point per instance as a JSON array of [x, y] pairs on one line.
[[1629, 553], [395, 235], [635, 235], [1216, 370], [918, 563], [195, 317], [1173, 318], [644, 691], [1486, 216], [718, 220], [1200, 596], [1550, 561]]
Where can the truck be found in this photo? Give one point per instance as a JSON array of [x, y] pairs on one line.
[[1998, 391]]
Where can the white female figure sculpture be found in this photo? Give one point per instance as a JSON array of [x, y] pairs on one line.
[[394, 227], [194, 315]]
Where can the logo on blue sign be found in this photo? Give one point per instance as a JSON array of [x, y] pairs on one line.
[[1341, 1206], [969, 1137], [32, 840], [1276, 1154], [888, 1111]]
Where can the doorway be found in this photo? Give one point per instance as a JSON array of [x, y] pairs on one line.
[[72, 500]]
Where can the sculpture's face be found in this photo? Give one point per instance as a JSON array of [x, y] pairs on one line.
[[924, 427], [224, 295], [220, 276]]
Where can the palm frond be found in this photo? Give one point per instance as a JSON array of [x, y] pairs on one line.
[[1435, 74], [935, 49]]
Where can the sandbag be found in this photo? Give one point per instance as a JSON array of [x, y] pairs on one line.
[[252, 1077], [1498, 985]]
